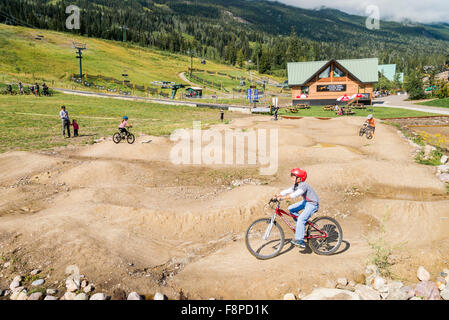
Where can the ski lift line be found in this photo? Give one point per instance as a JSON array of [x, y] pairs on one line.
[[18, 21]]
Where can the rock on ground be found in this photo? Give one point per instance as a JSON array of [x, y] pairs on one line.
[[289, 296], [51, 291], [134, 296], [98, 296], [15, 282], [69, 296], [398, 294], [50, 298], [72, 285], [36, 296], [81, 296], [331, 294], [35, 271], [38, 282], [88, 288], [427, 290], [423, 274], [445, 293], [159, 296], [366, 293]]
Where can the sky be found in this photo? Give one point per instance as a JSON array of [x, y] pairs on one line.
[[424, 11]]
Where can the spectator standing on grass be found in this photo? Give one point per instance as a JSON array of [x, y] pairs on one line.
[[221, 115], [75, 128], [20, 88], [65, 121], [36, 89]]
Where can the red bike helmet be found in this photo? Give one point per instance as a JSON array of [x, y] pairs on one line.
[[299, 173]]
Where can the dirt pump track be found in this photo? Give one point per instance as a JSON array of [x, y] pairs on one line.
[[125, 215]]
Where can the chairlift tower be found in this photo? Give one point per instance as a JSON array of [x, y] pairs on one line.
[[80, 47], [124, 28]]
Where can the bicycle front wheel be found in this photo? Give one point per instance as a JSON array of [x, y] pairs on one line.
[[264, 239], [131, 138], [361, 132], [325, 235]]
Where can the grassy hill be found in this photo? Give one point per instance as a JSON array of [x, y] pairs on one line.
[[53, 59]]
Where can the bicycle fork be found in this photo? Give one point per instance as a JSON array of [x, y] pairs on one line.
[[269, 228]]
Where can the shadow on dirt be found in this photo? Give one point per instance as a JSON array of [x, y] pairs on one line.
[[345, 245]]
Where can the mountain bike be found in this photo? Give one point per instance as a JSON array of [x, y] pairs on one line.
[[265, 238], [366, 130], [119, 136]]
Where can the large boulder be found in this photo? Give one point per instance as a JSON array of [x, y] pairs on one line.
[[331, 294]]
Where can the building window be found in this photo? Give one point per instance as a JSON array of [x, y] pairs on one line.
[[338, 73], [305, 90], [326, 73]]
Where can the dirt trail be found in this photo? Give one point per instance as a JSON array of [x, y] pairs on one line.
[[124, 214]]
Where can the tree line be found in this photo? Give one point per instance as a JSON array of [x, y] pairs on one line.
[[212, 30]]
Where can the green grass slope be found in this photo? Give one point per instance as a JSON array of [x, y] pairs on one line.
[[53, 59]]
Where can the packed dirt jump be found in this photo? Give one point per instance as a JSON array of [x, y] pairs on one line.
[[128, 217]]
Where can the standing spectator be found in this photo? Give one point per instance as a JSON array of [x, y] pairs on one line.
[[20, 88], [36, 89], [65, 121], [221, 115], [276, 109], [45, 91], [75, 128]]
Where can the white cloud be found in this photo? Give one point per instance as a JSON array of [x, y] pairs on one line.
[[424, 11]]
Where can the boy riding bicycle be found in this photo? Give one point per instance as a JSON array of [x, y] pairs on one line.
[[310, 203], [122, 127], [371, 123]]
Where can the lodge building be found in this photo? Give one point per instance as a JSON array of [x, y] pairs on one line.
[[323, 82]]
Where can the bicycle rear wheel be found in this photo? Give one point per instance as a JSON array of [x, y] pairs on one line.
[[369, 134], [264, 240], [117, 137], [321, 226]]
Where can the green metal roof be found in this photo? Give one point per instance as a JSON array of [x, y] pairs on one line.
[[388, 70], [365, 70]]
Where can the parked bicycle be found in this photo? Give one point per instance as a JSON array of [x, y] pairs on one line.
[[265, 237], [120, 136], [367, 131]]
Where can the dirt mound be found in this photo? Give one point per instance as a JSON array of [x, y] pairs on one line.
[[125, 214]]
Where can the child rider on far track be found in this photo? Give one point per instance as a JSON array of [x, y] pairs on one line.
[[310, 203]]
